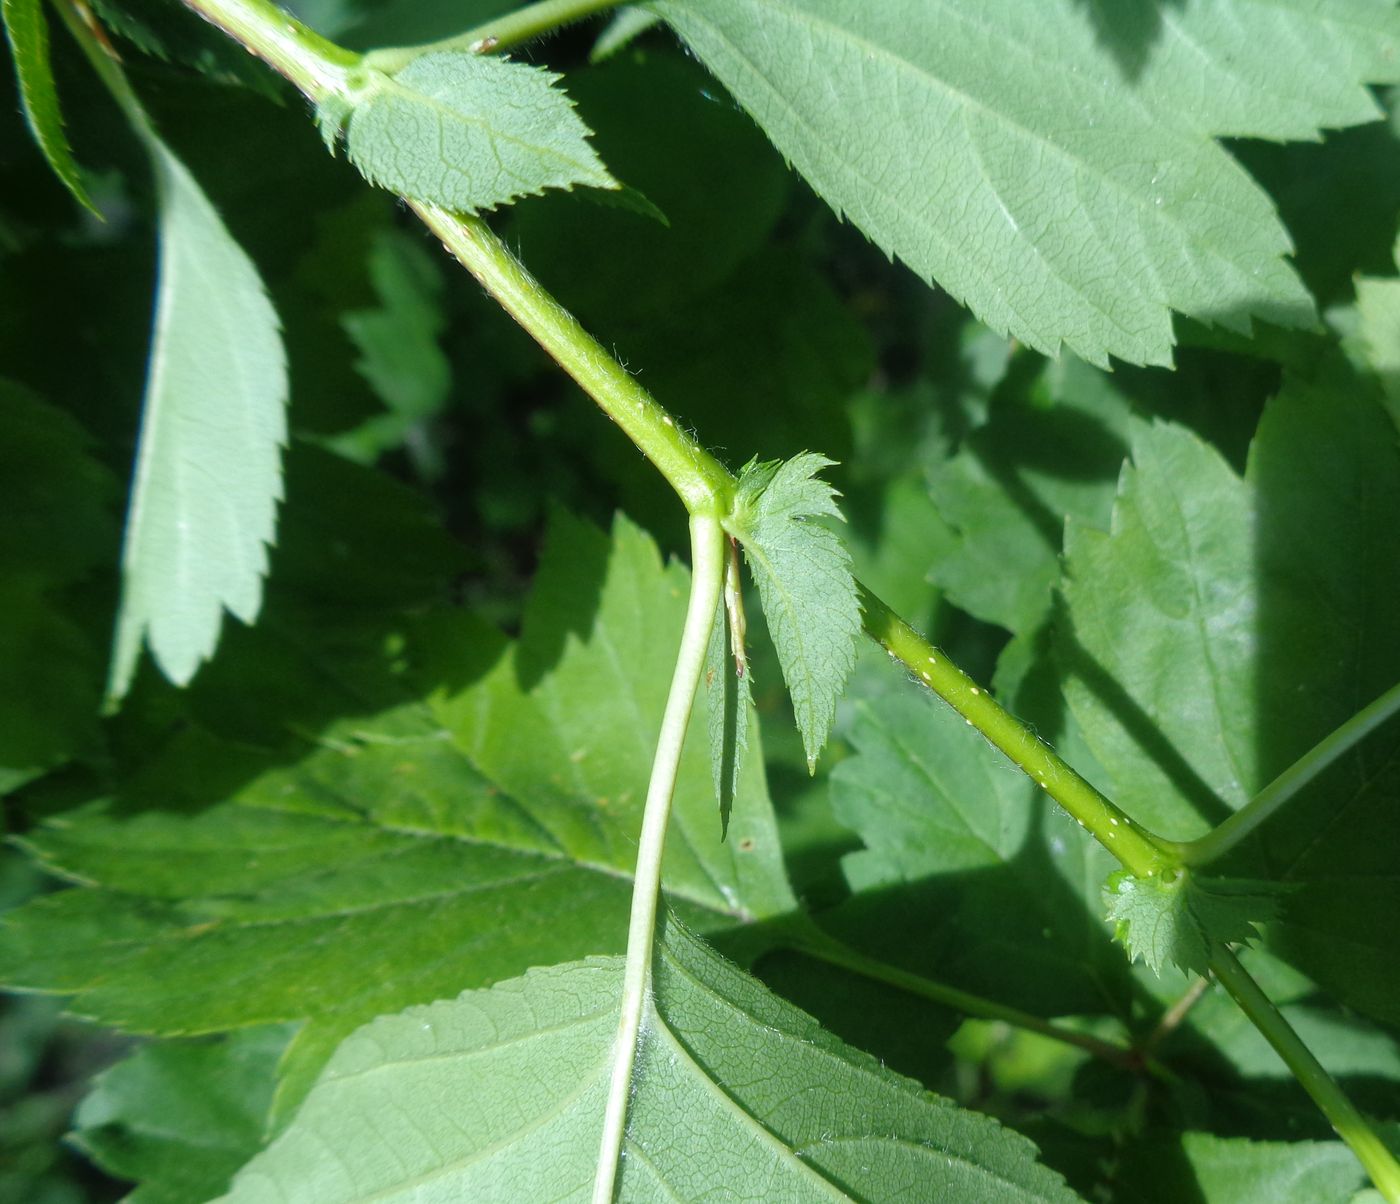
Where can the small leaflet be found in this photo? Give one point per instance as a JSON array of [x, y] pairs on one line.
[[804, 583], [1175, 917], [465, 131]]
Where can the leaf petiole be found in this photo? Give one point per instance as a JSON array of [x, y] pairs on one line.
[[1284, 788], [706, 583]]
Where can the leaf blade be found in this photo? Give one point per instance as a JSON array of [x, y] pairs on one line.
[[208, 471], [1143, 228], [813, 1119], [28, 35], [467, 131], [805, 583]]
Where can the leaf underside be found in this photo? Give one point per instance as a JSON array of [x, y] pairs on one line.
[[498, 1095], [468, 132], [1029, 161], [805, 583], [208, 477]]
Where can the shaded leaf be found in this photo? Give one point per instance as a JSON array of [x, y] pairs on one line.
[[773, 1107], [961, 848], [997, 150], [466, 131], [409, 848], [1223, 627], [805, 581], [58, 528], [28, 33], [179, 1119], [209, 463], [400, 354], [1378, 307], [1014, 482]]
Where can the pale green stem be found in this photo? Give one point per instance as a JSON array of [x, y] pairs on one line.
[[1350, 1125], [707, 577], [703, 483], [1284, 788], [504, 31], [1134, 847]]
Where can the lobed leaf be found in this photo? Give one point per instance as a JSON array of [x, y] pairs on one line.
[[1222, 627], [471, 810], [805, 583], [28, 34], [999, 150], [465, 131], [209, 463], [498, 1095]]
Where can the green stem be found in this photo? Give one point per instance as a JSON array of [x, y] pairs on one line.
[[1219, 841], [317, 67], [1350, 1125], [499, 34], [703, 483], [1134, 847], [805, 936], [707, 576]]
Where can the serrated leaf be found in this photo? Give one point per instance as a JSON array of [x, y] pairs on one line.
[[208, 476], [805, 583], [177, 35], [28, 34], [1013, 483], [400, 354], [964, 849], [998, 150], [1224, 626], [466, 131], [410, 846], [1181, 919], [180, 1118], [498, 1095]]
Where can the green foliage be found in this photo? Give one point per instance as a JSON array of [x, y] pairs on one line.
[[408, 788], [804, 578], [153, 1118], [403, 834], [464, 131], [28, 34], [1194, 621], [1076, 176], [769, 1100], [1181, 919], [59, 528], [208, 469]]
